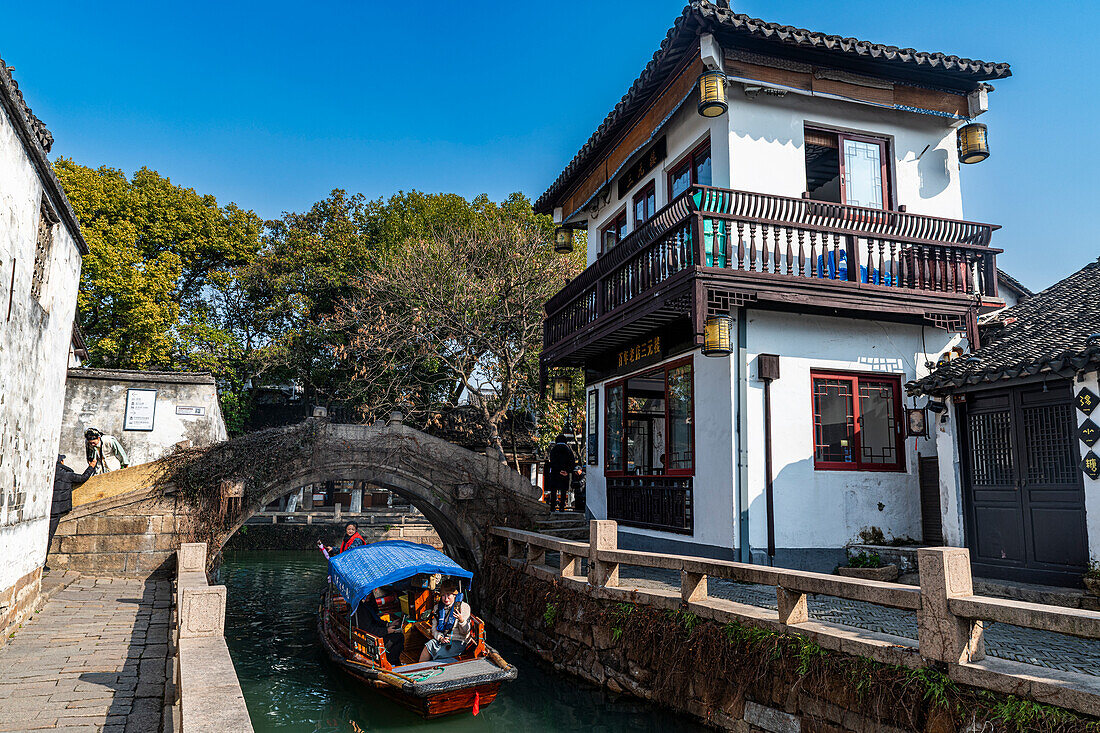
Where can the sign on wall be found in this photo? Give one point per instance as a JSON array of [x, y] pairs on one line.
[[639, 351], [639, 170], [190, 410], [141, 407]]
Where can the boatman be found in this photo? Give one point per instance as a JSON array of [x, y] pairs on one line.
[[352, 538]]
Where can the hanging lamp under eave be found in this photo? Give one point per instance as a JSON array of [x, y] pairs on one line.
[[563, 240], [712, 94], [716, 335], [562, 389], [973, 143]]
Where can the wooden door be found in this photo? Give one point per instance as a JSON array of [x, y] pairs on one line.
[[1024, 495]]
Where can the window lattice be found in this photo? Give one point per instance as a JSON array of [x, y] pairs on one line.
[[43, 245], [1049, 440], [878, 423], [990, 438]]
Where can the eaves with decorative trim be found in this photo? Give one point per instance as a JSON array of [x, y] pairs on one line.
[[37, 141], [934, 70]]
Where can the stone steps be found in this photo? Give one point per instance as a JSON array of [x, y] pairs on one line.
[[565, 525]]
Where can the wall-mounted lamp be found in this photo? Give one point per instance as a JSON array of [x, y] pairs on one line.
[[562, 389], [936, 406], [563, 240], [973, 143], [712, 94], [716, 335]]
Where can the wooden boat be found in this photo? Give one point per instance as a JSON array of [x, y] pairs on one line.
[[433, 688]]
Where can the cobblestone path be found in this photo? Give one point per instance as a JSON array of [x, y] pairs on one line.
[[94, 659], [1043, 648]]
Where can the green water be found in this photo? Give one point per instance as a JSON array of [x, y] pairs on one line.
[[289, 685]]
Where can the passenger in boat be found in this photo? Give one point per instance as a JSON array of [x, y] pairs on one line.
[[370, 620], [352, 538], [451, 627]]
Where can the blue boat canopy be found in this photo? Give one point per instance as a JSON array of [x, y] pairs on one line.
[[358, 571]]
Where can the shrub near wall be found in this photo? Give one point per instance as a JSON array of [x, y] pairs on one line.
[[740, 677]]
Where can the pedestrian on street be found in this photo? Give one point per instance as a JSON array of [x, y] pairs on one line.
[[64, 478], [561, 464], [100, 447]]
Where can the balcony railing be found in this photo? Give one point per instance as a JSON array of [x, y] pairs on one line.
[[654, 502], [745, 232]]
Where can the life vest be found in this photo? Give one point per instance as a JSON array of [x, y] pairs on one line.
[[349, 540], [444, 624]]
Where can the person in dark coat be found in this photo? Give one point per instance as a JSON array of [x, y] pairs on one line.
[[64, 478], [561, 464]]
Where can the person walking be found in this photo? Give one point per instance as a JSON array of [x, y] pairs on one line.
[[100, 447], [561, 463], [64, 478]]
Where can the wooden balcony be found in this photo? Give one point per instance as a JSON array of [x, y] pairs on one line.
[[712, 249]]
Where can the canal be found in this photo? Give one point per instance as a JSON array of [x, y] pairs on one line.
[[289, 685]]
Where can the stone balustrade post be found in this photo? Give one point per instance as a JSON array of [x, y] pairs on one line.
[[944, 637], [202, 611], [570, 565], [191, 557], [336, 513], [603, 536], [536, 555], [693, 587], [515, 549], [792, 606]]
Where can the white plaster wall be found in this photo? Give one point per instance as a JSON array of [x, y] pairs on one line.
[[684, 132], [767, 151], [713, 486], [95, 398], [951, 501], [828, 509], [34, 350]]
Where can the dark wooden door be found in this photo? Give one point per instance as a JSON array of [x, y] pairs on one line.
[[931, 521], [1024, 495]]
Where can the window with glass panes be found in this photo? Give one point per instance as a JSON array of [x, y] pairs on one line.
[[857, 423], [649, 423], [612, 234], [693, 170], [645, 204]]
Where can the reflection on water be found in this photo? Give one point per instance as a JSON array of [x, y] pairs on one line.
[[289, 685]]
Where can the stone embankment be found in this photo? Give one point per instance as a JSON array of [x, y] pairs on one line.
[[750, 669]]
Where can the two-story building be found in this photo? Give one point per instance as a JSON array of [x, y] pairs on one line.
[[40, 251], [776, 244]]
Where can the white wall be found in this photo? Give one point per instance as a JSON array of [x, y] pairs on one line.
[[34, 350], [684, 132], [828, 509], [767, 152]]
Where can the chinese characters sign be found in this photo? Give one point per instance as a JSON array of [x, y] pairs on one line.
[[1089, 433], [649, 347], [1091, 465], [1086, 401], [639, 170], [141, 405]]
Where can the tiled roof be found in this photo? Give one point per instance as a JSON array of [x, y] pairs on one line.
[[1056, 331], [701, 16], [37, 141], [1013, 284], [11, 88]]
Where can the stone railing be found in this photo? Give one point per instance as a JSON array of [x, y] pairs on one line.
[[210, 696], [950, 618]]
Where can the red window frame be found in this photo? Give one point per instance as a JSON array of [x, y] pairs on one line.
[[884, 156], [665, 368], [857, 464], [619, 222], [691, 162], [648, 198]]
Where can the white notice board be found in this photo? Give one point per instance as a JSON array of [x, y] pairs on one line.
[[141, 406]]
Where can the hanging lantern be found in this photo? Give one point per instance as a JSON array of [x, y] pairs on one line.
[[712, 94], [563, 389], [563, 240], [973, 143], [716, 335]]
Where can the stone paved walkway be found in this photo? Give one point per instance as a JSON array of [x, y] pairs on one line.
[[1043, 648], [94, 659]]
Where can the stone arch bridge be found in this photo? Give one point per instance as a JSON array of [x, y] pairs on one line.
[[123, 523]]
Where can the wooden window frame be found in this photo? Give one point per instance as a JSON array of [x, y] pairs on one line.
[[857, 463], [665, 369], [888, 202], [688, 159], [620, 217], [650, 189]]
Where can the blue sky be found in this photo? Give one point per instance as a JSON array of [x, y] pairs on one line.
[[273, 104]]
